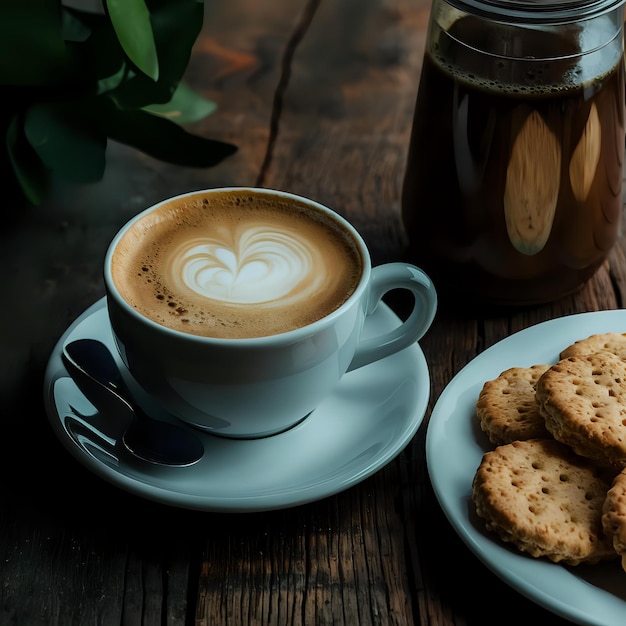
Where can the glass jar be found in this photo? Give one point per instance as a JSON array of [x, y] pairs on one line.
[[513, 185]]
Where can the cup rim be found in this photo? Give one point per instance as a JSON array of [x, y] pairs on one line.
[[289, 335]]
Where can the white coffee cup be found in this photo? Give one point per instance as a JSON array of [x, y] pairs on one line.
[[249, 386]]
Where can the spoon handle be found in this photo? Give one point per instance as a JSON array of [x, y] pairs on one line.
[[82, 360], [90, 439], [95, 372], [95, 359]]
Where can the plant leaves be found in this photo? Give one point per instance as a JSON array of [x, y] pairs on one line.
[[68, 138], [131, 20], [185, 107], [111, 82], [176, 25], [100, 55], [165, 140], [51, 49], [73, 27], [30, 171], [32, 49]]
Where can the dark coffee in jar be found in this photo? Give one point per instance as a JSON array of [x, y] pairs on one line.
[[513, 186]]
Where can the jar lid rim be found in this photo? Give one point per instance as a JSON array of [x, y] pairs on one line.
[[543, 11]]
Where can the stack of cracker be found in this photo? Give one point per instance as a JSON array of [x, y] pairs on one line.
[[554, 485]]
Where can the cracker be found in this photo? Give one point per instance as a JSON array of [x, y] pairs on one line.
[[544, 499], [583, 402], [506, 407], [603, 342], [614, 515]]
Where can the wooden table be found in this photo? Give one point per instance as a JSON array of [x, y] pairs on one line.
[[318, 96]]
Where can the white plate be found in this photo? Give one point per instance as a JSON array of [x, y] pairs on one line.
[[364, 424], [590, 594]]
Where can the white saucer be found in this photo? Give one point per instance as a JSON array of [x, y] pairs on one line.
[[585, 594], [364, 424]]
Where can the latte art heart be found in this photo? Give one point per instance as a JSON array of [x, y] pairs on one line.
[[256, 266]]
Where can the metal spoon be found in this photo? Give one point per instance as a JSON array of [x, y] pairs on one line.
[[91, 365]]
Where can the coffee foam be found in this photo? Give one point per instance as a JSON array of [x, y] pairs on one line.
[[559, 67], [236, 264], [255, 264]]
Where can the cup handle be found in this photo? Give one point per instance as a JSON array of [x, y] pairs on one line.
[[384, 278]]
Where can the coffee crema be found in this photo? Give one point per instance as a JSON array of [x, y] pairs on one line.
[[236, 264]]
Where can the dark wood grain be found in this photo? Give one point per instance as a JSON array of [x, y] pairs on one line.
[[318, 96]]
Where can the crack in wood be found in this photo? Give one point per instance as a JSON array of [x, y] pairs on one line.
[[293, 42]]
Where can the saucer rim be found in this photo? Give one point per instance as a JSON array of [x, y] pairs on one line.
[[410, 421]]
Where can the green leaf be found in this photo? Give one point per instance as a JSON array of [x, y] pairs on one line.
[[68, 138], [131, 20], [32, 48], [165, 140], [111, 82], [74, 29], [100, 56], [29, 170], [185, 107], [176, 25]]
